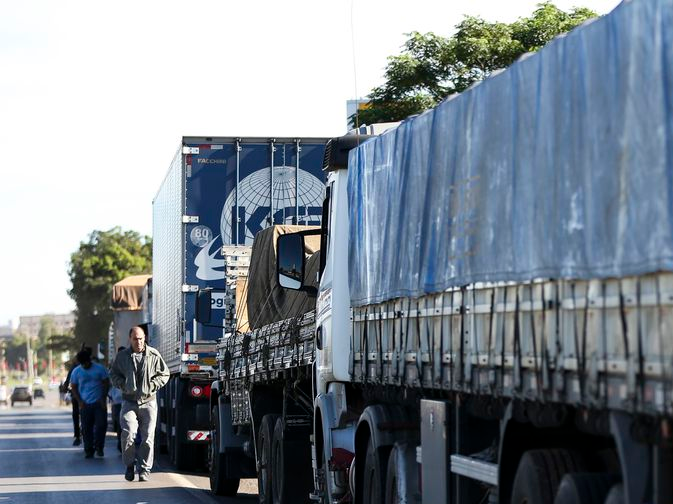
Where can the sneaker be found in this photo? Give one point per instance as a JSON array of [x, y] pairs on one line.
[[100, 452], [88, 455], [144, 476], [130, 473], [77, 441]]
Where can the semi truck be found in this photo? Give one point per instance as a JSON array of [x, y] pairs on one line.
[[218, 192], [494, 312]]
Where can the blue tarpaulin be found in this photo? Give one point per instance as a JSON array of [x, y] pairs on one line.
[[560, 166]]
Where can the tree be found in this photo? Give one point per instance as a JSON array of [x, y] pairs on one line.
[[432, 67], [99, 263]]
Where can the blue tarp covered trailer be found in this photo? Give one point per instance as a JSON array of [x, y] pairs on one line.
[[560, 166]]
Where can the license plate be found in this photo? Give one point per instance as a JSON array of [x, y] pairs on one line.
[[208, 361]]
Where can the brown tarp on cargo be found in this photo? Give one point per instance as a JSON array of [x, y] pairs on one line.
[[241, 305], [127, 294], [267, 301]]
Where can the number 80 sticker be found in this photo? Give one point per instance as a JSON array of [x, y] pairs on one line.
[[201, 235]]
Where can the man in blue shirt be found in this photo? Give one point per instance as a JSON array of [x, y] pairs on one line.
[[90, 384]]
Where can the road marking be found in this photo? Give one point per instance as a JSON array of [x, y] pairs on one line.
[[36, 435], [26, 425], [26, 450], [79, 483]]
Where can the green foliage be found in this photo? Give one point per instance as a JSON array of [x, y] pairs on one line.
[[15, 350], [62, 343], [432, 67], [106, 258]]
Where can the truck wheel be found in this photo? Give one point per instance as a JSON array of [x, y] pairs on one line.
[[219, 483], [584, 488], [375, 468], [539, 474], [402, 476], [264, 450], [290, 460]]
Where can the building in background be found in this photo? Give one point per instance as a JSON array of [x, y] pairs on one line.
[[62, 324], [6, 332]]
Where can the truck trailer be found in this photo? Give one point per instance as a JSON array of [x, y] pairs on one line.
[[218, 192], [494, 312]]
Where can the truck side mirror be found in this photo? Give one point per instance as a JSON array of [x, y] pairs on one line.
[[291, 259], [203, 308]]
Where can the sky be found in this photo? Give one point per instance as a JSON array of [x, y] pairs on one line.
[[95, 97]]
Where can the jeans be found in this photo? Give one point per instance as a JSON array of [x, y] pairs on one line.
[[94, 426], [136, 419]]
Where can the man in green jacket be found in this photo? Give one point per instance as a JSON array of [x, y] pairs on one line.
[[139, 372]]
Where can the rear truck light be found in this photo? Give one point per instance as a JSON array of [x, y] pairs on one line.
[[196, 391]]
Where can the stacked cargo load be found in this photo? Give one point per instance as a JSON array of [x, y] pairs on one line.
[[282, 323]]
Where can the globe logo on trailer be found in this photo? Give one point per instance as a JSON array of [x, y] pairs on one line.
[[254, 203]]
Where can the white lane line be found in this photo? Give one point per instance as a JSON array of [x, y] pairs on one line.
[[36, 435], [26, 450]]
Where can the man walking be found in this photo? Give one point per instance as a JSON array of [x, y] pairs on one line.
[[75, 407], [139, 372], [90, 384]]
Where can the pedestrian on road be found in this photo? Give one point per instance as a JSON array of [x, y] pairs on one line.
[[139, 372], [75, 407], [90, 384]]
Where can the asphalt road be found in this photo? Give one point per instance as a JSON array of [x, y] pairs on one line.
[[38, 464]]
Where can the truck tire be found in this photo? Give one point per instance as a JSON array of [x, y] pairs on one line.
[[219, 483], [584, 488], [374, 475], [402, 462], [264, 450], [539, 474], [290, 460]]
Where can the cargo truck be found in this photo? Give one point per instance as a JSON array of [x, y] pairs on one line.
[[219, 192], [494, 313]]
